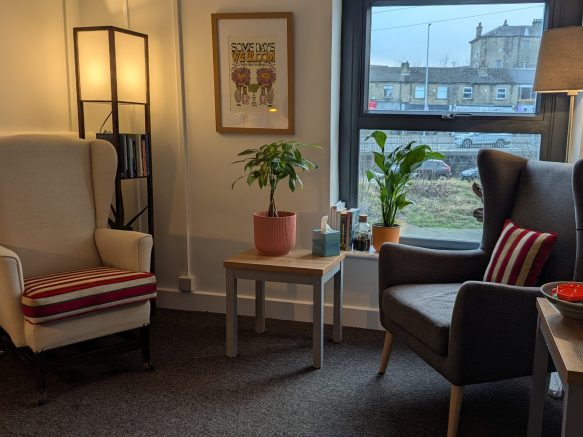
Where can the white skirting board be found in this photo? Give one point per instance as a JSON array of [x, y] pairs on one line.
[[300, 311]]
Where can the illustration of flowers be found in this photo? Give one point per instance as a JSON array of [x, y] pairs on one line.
[[241, 77], [266, 76]]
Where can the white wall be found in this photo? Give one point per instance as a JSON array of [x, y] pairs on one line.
[[33, 72]]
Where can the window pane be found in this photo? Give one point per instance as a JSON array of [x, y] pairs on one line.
[[442, 192], [470, 51]]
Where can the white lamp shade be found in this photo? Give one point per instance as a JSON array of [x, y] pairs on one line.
[[94, 68], [131, 67], [560, 61]]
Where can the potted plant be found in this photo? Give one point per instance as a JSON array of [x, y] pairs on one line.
[[396, 169], [275, 231]]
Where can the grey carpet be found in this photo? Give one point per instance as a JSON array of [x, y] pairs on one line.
[[269, 389]]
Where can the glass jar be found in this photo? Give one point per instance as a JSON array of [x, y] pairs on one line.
[[362, 235]]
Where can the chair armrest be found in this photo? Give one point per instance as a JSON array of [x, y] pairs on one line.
[[11, 289], [125, 250], [493, 331], [402, 264]]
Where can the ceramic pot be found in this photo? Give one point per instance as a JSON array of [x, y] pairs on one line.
[[274, 235], [384, 234]]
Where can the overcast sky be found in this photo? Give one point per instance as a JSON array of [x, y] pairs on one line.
[[399, 33]]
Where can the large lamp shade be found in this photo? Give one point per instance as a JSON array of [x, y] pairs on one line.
[[560, 61], [111, 64]]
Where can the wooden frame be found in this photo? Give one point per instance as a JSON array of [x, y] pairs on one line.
[[245, 45]]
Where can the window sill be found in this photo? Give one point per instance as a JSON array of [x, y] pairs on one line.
[[419, 242]]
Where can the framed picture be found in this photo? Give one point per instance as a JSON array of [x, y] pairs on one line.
[[253, 64]]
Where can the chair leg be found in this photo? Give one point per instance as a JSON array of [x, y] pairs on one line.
[[386, 352], [455, 407], [40, 371], [145, 347]]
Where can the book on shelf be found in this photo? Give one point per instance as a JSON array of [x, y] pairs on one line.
[[334, 215], [351, 222], [343, 228], [133, 154]]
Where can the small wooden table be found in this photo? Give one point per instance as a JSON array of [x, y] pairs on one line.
[[297, 267], [563, 339]]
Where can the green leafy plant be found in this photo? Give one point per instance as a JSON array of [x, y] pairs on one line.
[[397, 168], [271, 163]]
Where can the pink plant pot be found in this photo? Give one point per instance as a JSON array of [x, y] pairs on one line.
[[274, 235]]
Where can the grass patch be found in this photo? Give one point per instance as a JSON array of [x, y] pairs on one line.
[[445, 204]]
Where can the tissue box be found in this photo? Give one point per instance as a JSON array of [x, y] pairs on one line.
[[327, 244]]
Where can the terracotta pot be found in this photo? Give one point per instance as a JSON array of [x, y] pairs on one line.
[[384, 234], [274, 235]]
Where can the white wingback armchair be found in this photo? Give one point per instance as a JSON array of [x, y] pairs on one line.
[[64, 276]]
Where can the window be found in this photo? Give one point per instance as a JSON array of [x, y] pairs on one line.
[[498, 63], [442, 92], [388, 91], [441, 192], [390, 37], [525, 92], [524, 44]]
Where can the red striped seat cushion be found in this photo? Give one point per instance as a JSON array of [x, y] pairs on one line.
[[60, 295], [519, 255]]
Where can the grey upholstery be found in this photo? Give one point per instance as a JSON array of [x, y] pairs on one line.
[[435, 301]]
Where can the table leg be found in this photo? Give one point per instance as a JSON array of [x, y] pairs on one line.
[[318, 322], [260, 307], [231, 314], [338, 295], [572, 417], [539, 379]]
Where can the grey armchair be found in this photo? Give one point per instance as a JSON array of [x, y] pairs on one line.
[[435, 301]]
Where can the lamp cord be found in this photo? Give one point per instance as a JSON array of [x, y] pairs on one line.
[[105, 121]]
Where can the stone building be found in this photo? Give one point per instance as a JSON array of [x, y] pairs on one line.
[[506, 46], [452, 89], [499, 78]]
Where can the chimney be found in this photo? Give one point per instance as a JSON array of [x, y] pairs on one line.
[[405, 71], [479, 30], [505, 23], [537, 27]]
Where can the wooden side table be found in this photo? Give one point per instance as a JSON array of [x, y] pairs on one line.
[[562, 338], [298, 267]]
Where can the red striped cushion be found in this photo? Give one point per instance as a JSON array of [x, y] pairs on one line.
[[61, 295], [519, 255]]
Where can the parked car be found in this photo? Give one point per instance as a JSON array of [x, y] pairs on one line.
[[471, 139], [433, 169], [470, 174]]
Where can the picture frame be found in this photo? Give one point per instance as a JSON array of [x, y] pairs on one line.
[[253, 72]]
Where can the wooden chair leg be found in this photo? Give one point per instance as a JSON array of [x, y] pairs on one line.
[[145, 347], [40, 371], [386, 352], [455, 407]]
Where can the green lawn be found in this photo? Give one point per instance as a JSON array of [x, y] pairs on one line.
[[444, 204]]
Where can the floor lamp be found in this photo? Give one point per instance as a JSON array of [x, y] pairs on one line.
[[560, 68]]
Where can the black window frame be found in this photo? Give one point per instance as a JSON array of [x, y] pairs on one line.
[[550, 122]]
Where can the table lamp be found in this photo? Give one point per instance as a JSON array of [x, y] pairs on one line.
[[560, 68]]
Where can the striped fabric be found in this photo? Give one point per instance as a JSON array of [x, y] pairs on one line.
[[61, 295], [519, 255]]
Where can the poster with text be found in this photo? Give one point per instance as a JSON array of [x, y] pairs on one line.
[[253, 63]]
